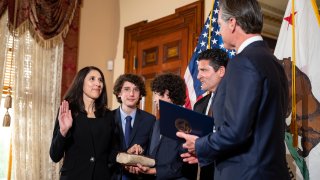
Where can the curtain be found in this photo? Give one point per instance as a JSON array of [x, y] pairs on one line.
[[43, 49], [36, 99], [3, 5], [48, 19]]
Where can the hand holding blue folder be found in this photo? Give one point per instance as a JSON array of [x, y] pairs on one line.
[[175, 118]]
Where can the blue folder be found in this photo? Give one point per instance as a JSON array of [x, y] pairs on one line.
[[174, 118]]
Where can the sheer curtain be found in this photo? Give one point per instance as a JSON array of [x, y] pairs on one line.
[[39, 28], [36, 97]]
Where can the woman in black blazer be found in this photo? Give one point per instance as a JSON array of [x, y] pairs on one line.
[[84, 132]]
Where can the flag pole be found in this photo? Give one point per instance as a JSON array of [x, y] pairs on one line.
[[208, 47], [294, 128], [316, 11], [210, 26]]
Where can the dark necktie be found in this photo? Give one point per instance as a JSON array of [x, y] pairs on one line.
[[155, 139], [128, 129], [127, 133]]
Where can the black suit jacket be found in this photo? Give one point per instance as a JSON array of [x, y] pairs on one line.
[[249, 114], [141, 134], [201, 105], [87, 147], [206, 172]]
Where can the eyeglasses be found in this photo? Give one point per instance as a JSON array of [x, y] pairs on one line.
[[129, 90]]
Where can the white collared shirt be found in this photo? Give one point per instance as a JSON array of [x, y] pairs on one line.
[[249, 41], [209, 103]]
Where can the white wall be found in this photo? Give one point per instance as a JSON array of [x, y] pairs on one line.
[[99, 31]]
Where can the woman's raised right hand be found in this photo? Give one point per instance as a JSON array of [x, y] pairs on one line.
[[65, 118]]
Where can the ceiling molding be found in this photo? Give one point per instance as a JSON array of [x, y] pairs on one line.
[[272, 20]]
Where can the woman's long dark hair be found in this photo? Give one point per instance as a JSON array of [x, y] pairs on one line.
[[74, 94]]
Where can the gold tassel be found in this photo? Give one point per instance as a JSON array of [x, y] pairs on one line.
[[6, 119], [7, 105], [8, 102]]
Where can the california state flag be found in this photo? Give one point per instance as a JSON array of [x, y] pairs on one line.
[[304, 161]]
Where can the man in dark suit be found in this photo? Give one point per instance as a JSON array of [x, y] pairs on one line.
[[135, 124], [250, 104], [212, 65], [166, 152]]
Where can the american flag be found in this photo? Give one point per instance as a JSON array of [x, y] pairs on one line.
[[205, 40]]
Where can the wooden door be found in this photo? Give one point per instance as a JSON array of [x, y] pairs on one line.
[[163, 45]]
